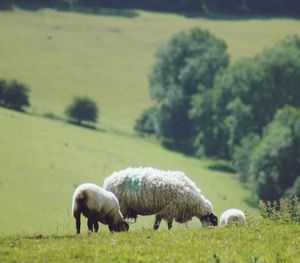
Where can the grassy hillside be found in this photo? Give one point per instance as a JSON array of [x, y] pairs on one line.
[[61, 55], [264, 243], [42, 160]]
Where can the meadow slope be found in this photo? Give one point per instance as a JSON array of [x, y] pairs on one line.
[[63, 54], [60, 55], [43, 160]]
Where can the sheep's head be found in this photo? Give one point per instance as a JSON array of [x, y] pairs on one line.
[[119, 227], [209, 220]]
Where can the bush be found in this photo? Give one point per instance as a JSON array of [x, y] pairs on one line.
[[14, 95], [145, 124], [282, 211], [82, 109], [2, 90]]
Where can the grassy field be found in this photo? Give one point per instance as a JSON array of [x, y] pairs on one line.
[[61, 55], [263, 243], [42, 160]]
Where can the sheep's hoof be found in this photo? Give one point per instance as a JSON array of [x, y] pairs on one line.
[[155, 227]]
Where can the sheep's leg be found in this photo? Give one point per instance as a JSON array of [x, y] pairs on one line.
[[170, 223], [96, 226], [157, 222], [77, 217], [90, 224]]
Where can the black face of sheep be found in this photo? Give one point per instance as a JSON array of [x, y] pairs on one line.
[[209, 220], [121, 226]]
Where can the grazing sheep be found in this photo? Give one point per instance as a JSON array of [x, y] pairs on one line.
[[97, 204], [232, 216], [167, 194]]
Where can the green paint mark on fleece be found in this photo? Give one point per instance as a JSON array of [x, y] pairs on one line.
[[133, 183]]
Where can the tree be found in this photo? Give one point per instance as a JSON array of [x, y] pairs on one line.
[[82, 109], [184, 66], [247, 95], [15, 95], [274, 164]]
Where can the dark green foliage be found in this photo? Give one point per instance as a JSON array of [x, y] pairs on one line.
[[208, 130], [271, 164], [172, 119], [186, 65], [267, 7], [2, 90], [14, 95], [294, 190], [145, 124], [187, 60], [82, 109], [246, 97], [242, 157], [275, 163]]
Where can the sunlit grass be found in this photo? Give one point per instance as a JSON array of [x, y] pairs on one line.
[[262, 243], [42, 161]]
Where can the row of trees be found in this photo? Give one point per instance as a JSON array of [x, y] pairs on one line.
[[15, 95], [222, 111], [227, 6]]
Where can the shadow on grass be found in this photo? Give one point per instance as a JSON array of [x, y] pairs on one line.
[[21, 110], [221, 166], [183, 147], [86, 125], [41, 236]]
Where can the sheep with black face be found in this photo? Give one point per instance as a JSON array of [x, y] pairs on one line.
[[168, 195]]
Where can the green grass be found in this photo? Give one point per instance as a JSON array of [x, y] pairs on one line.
[[64, 54], [42, 160], [263, 243], [61, 55]]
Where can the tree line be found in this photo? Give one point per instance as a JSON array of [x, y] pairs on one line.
[[246, 112], [269, 7], [15, 95]]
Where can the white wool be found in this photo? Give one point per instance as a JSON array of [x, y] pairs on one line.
[[232, 216], [149, 191], [98, 200]]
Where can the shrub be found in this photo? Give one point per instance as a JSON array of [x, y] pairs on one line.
[[145, 124], [14, 94], [2, 90], [282, 211], [82, 109]]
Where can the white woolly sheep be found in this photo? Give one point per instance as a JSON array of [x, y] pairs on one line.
[[167, 194], [97, 204], [232, 216]]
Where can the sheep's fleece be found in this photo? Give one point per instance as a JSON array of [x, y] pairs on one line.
[[148, 191], [232, 216]]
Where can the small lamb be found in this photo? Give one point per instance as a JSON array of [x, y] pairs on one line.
[[97, 204], [232, 216]]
